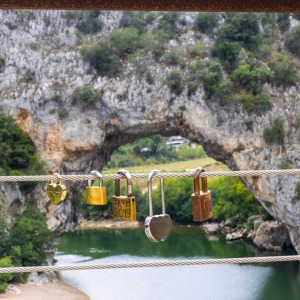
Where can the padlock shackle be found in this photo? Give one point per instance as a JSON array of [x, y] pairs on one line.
[[100, 178], [197, 174], [129, 183], [59, 178], [151, 174]]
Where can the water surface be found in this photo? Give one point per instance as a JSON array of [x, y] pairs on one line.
[[262, 281]]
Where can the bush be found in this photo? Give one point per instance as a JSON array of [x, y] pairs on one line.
[[173, 57], [228, 53], [29, 239], [258, 103], [17, 150], [124, 41], [205, 22], [174, 82], [197, 50], [90, 22], [212, 77], [231, 199], [292, 41], [249, 78], [275, 134], [5, 262], [101, 58], [283, 22], [284, 73], [86, 98], [2, 64], [136, 19], [168, 24], [242, 28]]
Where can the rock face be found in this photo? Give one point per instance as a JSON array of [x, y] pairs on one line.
[[272, 235], [42, 59]]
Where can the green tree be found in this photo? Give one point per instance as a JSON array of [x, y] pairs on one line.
[[292, 40], [228, 53], [174, 82], [124, 41], [242, 28], [31, 234], [284, 73], [205, 22], [101, 58], [275, 134]]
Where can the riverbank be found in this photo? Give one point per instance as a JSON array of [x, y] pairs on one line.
[[46, 291]]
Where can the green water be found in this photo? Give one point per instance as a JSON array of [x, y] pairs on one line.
[[262, 281]]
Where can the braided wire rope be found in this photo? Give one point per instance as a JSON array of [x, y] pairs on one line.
[[254, 173], [244, 260], [173, 263]]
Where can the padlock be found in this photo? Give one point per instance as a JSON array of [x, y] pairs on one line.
[[201, 200], [124, 207], [96, 195], [157, 227], [56, 192]]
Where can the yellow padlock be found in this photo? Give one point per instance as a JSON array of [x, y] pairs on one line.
[[96, 195]]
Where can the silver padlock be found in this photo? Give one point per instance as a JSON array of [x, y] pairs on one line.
[[157, 227]]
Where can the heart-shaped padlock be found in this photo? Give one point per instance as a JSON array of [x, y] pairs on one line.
[[56, 192], [157, 227]]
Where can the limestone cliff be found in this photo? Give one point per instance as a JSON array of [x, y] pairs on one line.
[[42, 59]]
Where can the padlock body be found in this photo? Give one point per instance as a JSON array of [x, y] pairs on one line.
[[124, 208], [158, 227], [56, 193], [95, 195], [202, 206]]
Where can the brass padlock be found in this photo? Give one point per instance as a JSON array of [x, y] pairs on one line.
[[124, 207], [157, 227], [201, 200], [56, 192], [96, 195]]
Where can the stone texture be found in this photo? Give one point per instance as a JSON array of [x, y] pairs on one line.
[[84, 140], [211, 228], [272, 235]]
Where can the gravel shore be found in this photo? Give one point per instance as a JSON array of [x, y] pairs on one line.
[[46, 291]]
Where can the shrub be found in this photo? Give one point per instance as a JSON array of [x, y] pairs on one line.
[[174, 82], [283, 22], [11, 26], [101, 58], [173, 57], [86, 97], [124, 41], [205, 22], [297, 192], [284, 73], [168, 24], [275, 134], [31, 234], [231, 199], [292, 40], [296, 16], [258, 103], [242, 28], [212, 77], [5, 262], [197, 50], [29, 76], [249, 78], [2, 64], [90, 22], [136, 19], [228, 53]]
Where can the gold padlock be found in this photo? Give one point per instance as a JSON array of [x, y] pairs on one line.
[[201, 200], [124, 207], [96, 195], [56, 192]]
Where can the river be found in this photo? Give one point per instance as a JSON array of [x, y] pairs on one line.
[[276, 281]]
